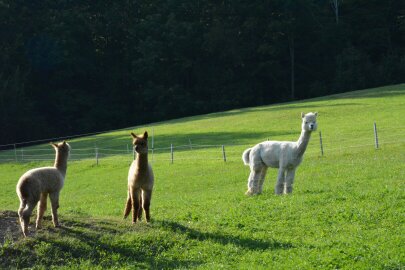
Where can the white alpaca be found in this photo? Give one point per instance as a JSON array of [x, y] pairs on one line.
[[275, 154], [36, 184]]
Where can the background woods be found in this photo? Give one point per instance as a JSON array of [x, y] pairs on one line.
[[83, 66]]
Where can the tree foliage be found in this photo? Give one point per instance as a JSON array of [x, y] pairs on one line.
[[82, 66]]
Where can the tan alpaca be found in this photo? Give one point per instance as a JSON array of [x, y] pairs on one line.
[[140, 180], [36, 184]]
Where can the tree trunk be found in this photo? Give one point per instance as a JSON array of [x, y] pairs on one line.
[[292, 59], [335, 6]]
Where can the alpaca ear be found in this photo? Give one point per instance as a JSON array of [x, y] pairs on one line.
[[133, 135], [145, 135], [316, 113], [64, 143], [302, 115]]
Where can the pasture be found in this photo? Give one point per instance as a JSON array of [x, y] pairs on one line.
[[346, 211]]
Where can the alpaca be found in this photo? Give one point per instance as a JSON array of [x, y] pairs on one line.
[[36, 184], [286, 156], [140, 180]]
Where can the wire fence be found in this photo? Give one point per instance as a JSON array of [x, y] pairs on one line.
[[323, 145]]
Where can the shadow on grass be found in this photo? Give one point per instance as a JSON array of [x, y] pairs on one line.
[[9, 227], [380, 92], [164, 141], [144, 254], [246, 243], [181, 142], [121, 145], [90, 244], [277, 107], [100, 243]]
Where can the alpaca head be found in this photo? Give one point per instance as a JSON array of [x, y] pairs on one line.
[[62, 148], [140, 142], [309, 121]]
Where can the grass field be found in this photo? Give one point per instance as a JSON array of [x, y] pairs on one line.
[[346, 212]]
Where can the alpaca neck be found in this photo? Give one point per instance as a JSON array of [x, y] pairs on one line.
[[142, 161], [303, 142], [61, 163]]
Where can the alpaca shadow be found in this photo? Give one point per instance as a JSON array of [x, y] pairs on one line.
[[10, 229], [92, 247], [246, 243]]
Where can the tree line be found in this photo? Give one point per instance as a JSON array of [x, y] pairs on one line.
[[80, 66]]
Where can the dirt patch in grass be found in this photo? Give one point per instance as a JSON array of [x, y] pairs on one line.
[[9, 226]]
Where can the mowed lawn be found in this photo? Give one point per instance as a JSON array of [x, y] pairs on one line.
[[346, 211]]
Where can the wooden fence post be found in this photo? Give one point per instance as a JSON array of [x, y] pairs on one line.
[[375, 136], [171, 152], [320, 141], [153, 143], [15, 153], [223, 153], [96, 149], [153, 138]]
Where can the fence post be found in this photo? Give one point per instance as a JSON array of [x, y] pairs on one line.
[[223, 153], [375, 136], [153, 142], [320, 141], [171, 152], [96, 149], [22, 154], [153, 137], [15, 153]]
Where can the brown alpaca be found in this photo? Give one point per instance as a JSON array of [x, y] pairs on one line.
[[36, 184], [140, 180]]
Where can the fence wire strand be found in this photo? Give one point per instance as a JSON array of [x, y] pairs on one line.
[[227, 151]]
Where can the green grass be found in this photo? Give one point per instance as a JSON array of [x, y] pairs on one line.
[[346, 212]]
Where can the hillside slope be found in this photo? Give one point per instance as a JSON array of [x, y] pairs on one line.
[[346, 210]]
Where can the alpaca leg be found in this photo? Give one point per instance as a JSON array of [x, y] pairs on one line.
[[23, 204], [254, 179], [279, 189], [262, 177], [26, 214], [146, 198], [135, 199], [41, 209], [140, 207], [128, 205], [290, 180], [250, 184], [55, 205]]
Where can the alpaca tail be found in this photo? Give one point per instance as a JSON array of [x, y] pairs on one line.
[[245, 156], [23, 190], [128, 206]]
